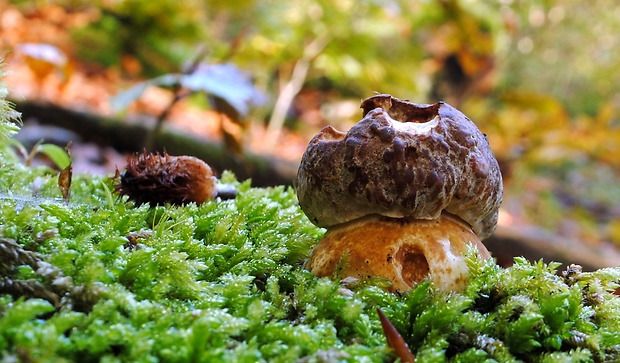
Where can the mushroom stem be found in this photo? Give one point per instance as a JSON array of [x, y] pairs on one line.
[[405, 251]]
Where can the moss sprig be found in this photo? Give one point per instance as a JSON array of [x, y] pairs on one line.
[[9, 118], [527, 312]]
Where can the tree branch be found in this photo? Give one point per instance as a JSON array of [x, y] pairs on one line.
[[292, 88]]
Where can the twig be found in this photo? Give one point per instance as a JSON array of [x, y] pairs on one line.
[[56, 288], [292, 87], [179, 94], [234, 45]]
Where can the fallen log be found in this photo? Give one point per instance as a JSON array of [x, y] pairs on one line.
[[129, 136], [535, 243]]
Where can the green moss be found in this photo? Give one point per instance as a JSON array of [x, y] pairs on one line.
[[9, 118], [97, 279]]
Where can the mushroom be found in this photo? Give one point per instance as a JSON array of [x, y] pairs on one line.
[[402, 194]]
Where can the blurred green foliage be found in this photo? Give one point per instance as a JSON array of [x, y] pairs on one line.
[[8, 117], [567, 50], [535, 75], [159, 33]]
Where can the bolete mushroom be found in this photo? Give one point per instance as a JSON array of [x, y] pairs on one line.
[[402, 194]]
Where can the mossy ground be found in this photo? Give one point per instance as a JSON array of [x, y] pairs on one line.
[[98, 279]]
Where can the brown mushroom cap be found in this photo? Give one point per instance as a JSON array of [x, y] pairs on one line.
[[402, 160]]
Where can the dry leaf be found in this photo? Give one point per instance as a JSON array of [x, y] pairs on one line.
[[64, 182], [395, 340], [64, 179]]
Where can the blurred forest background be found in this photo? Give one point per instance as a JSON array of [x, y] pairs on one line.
[[539, 77]]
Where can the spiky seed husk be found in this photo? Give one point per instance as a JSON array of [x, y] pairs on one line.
[[158, 179]]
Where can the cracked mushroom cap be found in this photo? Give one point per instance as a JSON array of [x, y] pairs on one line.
[[402, 160]]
